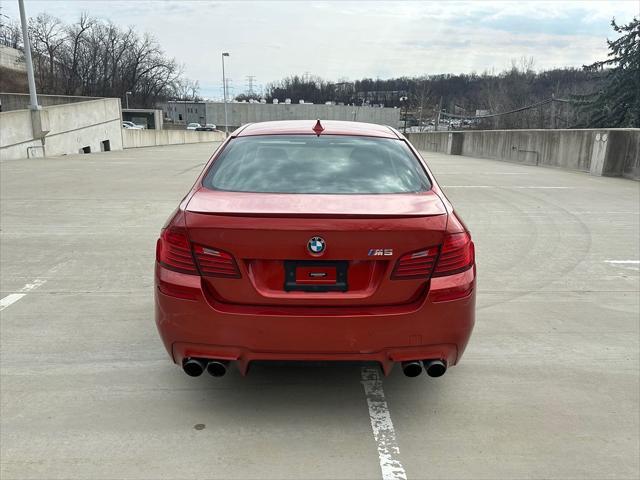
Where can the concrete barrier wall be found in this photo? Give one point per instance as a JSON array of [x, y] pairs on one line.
[[95, 125], [569, 149], [16, 137], [243, 113], [430, 141], [623, 154], [20, 101], [12, 59], [152, 138], [611, 152]]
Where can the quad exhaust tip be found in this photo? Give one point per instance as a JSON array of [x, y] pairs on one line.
[[435, 368], [412, 369], [193, 367], [217, 368]]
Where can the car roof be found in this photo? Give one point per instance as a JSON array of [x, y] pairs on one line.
[[302, 127]]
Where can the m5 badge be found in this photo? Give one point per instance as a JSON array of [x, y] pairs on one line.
[[380, 252]]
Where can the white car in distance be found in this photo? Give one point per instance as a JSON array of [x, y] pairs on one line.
[[130, 125]]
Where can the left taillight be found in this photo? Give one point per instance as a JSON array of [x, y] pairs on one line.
[[216, 263], [173, 251]]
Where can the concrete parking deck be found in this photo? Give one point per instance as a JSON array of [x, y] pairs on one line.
[[548, 388]]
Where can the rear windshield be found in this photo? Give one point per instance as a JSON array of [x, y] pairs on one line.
[[329, 164]]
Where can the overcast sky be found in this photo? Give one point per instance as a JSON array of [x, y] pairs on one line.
[[356, 39]]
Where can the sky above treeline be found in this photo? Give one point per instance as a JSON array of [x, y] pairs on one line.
[[351, 40]]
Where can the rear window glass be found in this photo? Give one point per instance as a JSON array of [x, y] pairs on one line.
[[329, 164]]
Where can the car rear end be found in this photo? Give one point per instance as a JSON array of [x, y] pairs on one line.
[[299, 246]]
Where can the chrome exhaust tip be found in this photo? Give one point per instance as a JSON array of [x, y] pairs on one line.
[[435, 368], [217, 368], [193, 367], [412, 368]]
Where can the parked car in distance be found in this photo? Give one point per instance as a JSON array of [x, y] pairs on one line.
[[315, 241], [209, 127], [130, 125], [194, 126]]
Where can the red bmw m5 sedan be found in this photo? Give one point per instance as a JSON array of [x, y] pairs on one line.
[[315, 241]]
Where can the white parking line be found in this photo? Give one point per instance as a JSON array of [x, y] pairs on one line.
[[382, 426], [626, 264], [540, 187], [14, 297], [481, 173], [508, 186]]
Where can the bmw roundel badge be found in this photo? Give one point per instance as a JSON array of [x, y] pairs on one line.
[[316, 246]]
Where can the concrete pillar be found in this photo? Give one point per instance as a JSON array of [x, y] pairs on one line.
[[599, 153], [40, 123], [454, 143]]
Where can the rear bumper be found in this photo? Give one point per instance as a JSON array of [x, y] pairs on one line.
[[423, 330], [243, 357]]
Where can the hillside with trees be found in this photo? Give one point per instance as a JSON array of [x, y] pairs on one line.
[[461, 95], [96, 58], [604, 94]]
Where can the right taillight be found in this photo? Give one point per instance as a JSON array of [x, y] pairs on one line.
[[173, 251], [415, 264], [457, 255]]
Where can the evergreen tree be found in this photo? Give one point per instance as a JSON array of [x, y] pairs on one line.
[[617, 102]]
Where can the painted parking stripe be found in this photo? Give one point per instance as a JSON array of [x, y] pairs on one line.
[[382, 426], [482, 173], [535, 187], [10, 299], [14, 297], [626, 264]]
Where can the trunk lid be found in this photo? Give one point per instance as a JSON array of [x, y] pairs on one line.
[[286, 205], [266, 233]]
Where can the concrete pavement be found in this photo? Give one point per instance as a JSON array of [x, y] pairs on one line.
[[548, 387]]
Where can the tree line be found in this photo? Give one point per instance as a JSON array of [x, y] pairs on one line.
[[617, 102], [93, 57], [461, 94], [604, 94]]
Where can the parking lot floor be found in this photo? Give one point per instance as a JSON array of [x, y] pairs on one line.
[[548, 387]]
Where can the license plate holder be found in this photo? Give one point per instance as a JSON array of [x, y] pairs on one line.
[[315, 276]]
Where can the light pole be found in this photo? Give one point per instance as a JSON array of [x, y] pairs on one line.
[[224, 93], [127, 97], [33, 97], [406, 106]]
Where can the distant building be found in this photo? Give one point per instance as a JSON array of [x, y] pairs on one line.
[[384, 97], [182, 113], [151, 119]]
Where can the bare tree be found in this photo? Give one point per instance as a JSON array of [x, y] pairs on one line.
[[75, 40], [97, 58], [10, 33], [47, 36]]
